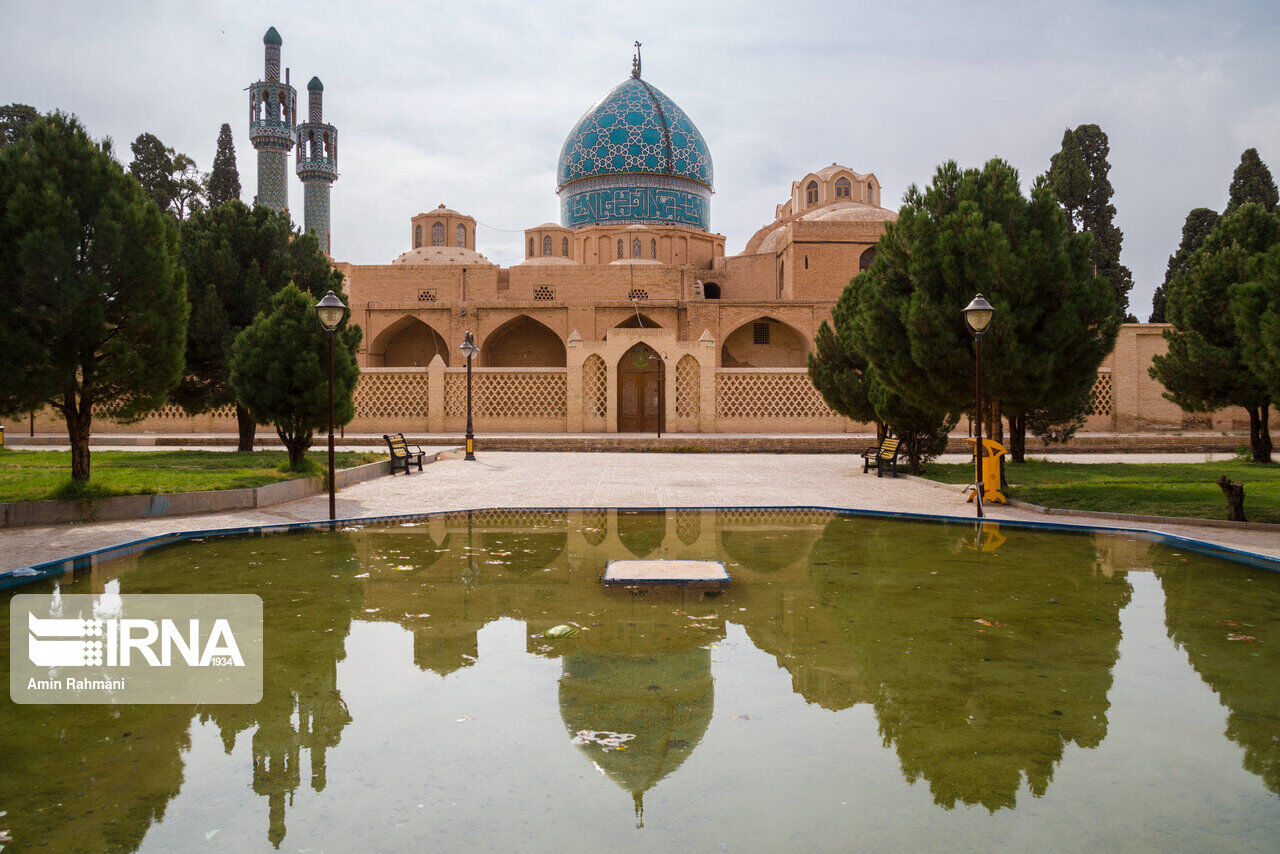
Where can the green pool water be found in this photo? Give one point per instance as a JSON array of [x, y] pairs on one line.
[[863, 684]]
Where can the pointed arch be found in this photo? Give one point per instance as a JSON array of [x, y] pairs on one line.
[[865, 260], [765, 342], [437, 234], [408, 343], [638, 321], [417, 235], [522, 342]]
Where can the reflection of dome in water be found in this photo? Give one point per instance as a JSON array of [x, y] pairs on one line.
[[766, 550], [665, 700]]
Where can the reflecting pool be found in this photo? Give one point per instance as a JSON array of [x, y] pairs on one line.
[[863, 683]]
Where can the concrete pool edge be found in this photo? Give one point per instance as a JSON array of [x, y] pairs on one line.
[[85, 560]]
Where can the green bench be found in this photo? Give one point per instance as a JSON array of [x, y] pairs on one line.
[[401, 456], [882, 456]]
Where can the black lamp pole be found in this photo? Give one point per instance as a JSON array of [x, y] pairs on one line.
[[470, 349], [977, 315], [330, 311]]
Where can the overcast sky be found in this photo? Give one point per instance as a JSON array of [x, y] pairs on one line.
[[467, 103]]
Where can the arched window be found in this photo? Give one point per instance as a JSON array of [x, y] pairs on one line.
[[546, 244], [710, 290], [653, 249], [635, 247], [462, 236], [867, 257], [530, 247], [811, 193], [621, 248], [844, 189], [437, 234], [564, 246], [417, 236]]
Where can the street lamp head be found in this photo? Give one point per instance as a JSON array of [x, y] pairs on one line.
[[469, 347], [978, 314], [330, 311]]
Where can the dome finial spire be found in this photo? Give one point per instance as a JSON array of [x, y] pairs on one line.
[[635, 63]]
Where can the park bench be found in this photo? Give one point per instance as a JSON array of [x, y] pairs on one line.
[[884, 455], [401, 456]]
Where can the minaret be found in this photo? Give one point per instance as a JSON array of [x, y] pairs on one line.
[[273, 112], [317, 164]]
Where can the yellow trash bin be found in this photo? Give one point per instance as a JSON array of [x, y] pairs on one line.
[[992, 451]]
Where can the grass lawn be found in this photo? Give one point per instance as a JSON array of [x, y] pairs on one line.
[[38, 475], [1158, 489]]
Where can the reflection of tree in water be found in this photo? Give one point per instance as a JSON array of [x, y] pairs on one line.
[[306, 614], [973, 709], [1207, 602], [86, 778]]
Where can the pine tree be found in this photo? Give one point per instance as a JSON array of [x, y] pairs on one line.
[[1256, 304], [236, 259], [1078, 176], [279, 369], [15, 122], [95, 301], [1205, 368], [224, 179], [170, 179], [1196, 228], [973, 231], [1252, 182]]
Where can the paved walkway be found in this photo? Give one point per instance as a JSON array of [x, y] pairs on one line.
[[513, 479]]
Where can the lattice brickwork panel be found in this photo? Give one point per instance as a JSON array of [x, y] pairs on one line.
[[426, 294], [1101, 397], [595, 525], [532, 394], [637, 293], [170, 412], [595, 391], [398, 395], [769, 395], [688, 393], [543, 293], [745, 517], [688, 526]]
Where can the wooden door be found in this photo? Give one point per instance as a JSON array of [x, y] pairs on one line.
[[640, 391]]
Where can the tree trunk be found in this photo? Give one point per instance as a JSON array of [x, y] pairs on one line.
[[1259, 433], [881, 431], [997, 425], [296, 445], [1235, 498], [79, 424], [1018, 437], [246, 427]]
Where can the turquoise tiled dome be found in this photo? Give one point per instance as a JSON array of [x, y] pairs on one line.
[[635, 129]]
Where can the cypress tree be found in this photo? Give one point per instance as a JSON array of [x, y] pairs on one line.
[[1205, 368], [1078, 176], [95, 302], [1256, 304], [1194, 230], [224, 179], [1252, 182]]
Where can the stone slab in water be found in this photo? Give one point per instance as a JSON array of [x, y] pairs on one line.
[[703, 572]]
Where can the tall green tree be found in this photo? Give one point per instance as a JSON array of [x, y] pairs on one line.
[[169, 179], [279, 369], [1078, 175], [95, 308], [973, 231], [1205, 368], [842, 375], [1256, 304], [224, 179], [1194, 230], [15, 122], [235, 260], [1252, 182]]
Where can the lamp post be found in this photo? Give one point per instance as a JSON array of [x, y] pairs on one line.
[[330, 312], [470, 350], [977, 315]]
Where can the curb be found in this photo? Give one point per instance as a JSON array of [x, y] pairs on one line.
[[16, 514]]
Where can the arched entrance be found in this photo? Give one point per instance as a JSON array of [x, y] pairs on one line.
[[640, 391]]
